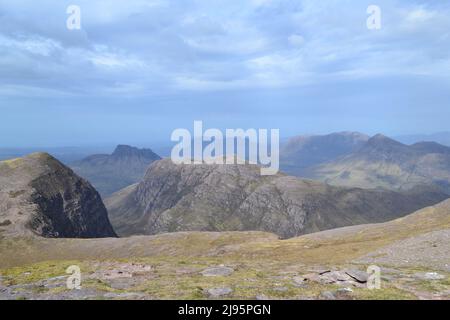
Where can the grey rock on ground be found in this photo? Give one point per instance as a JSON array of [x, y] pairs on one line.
[[217, 272], [360, 276], [327, 295], [219, 292], [429, 276], [341, 278], [344, 290]]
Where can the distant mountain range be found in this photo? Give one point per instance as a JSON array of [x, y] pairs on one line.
[[41, 198], [63, 154], [39, 195], [358, 180], [299, 154], [355, 160], [110, 173], [440, 137], [385, 163], [237, 198]]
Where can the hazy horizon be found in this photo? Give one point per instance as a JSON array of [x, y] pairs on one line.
[[439, 137], [138, 70]]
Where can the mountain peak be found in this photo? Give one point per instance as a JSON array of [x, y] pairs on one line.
[[110, 173], [127, 151], [54, 202], [380, 140], [123, 149], [430, 147], [40, 156], [379, 137], [354, 134]]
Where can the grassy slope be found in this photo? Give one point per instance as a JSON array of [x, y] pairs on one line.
[[262, 262], [350, 243]]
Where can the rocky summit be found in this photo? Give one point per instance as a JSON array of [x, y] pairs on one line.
[[41, 196], [110, 173], [174, 198]]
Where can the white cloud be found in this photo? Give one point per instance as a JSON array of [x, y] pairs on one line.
[[296, 40], [191, 45], [103, 57], [261, 3], [34, 44], [419, 15]]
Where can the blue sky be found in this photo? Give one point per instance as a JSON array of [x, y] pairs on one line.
[[139, 69]]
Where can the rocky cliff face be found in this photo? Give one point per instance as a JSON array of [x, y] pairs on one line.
[[237, 198], [40, 195], [110, 173]]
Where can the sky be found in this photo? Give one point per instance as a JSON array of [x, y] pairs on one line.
[[139, 69]]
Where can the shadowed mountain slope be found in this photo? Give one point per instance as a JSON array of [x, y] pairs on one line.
[[40, 195]]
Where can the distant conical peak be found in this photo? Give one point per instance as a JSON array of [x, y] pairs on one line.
[[382, 140], [123, 148], [380, 137], [126, 150]]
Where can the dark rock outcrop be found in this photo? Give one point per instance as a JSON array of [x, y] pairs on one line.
[[39, 194]]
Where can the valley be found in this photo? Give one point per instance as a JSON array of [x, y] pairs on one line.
[[219, 232]]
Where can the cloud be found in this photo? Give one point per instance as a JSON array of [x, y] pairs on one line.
[[296, 40], [419, 15], [140, 47]]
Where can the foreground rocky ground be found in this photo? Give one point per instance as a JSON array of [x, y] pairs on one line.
[[207, 278], [413, 254]]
